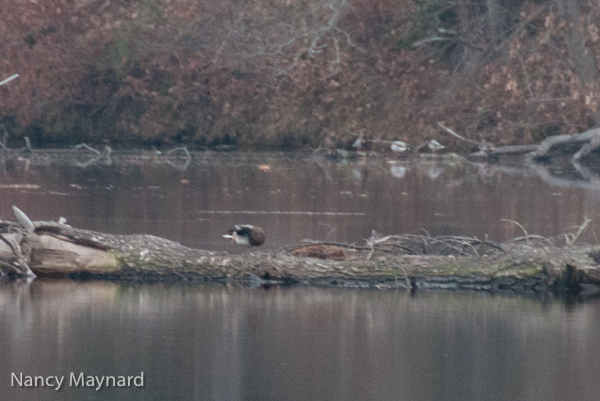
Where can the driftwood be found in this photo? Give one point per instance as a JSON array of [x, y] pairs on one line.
[[583, 144], [576, 147], [528, 264]]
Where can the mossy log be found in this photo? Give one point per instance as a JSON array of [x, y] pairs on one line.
[[58, 250]]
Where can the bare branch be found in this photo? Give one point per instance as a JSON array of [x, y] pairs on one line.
[[448, 130], [7, 80], [22, 218]]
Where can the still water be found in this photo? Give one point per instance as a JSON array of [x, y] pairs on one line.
[[205, 342], [293, 197], [218, 343]]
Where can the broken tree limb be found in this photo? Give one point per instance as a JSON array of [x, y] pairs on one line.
[[587, 148], [16, 261], [7, 80], [550, 143], [482, 147], [22, 218], [577, 146]]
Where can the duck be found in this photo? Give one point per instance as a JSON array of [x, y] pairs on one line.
[[247, 235], [399, 147], [434, 145]]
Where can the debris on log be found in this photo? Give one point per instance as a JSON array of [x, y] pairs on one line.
[[320, 251]]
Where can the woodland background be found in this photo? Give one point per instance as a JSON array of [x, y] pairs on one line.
[[289, 74]]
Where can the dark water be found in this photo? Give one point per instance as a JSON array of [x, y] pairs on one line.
[[217, 343], [220, 343], [298, 197]]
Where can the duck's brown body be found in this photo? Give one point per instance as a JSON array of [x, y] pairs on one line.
[[247, 235]]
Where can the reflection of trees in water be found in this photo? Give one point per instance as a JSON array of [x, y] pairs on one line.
[[296, 197], [366, 344]]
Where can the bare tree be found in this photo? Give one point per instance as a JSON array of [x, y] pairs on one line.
[[250, 36], [469, 30]]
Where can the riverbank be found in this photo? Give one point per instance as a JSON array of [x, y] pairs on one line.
[[166, 74]]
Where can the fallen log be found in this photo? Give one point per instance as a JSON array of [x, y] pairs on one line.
[[575, 146], [578, 145], [528, 264]]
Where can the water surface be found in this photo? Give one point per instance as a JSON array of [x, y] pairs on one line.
[[294, 197], [199, 342], [218, 343]]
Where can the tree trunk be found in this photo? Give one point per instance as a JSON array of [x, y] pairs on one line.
[[519, 266]]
